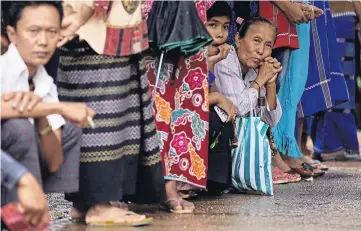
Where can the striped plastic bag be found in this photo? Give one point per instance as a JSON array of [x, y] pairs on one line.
[[252, 159]]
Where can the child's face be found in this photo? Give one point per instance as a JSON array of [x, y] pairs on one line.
[[218, 28]]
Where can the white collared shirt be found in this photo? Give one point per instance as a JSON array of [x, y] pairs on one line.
[[14, 77]]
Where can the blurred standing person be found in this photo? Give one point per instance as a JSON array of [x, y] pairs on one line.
[[101, 65], [182, 113], [335, 132], [291, 49]]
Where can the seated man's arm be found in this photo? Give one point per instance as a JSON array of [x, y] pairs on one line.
[[11, 171], [50, 140], [41, 109]]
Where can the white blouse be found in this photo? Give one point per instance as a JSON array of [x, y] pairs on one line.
[[230, 82]]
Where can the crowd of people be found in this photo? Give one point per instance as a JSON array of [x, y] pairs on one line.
[[87, 109]]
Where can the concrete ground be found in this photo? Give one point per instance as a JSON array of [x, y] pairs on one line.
[[332, 202]]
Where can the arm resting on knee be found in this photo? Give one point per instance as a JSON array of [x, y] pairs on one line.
[[40, 110], [51, 142]]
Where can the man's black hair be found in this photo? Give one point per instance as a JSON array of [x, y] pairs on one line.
[[219, 8], [12, 11]]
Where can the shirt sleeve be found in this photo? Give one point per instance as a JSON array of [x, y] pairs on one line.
[[272, 117], [11, 171], [55, 121], [230, 83]]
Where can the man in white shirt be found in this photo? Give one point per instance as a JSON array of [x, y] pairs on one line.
[[33, 121]]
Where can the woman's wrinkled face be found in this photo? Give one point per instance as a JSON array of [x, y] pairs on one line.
[[256, 45], [218, 28]]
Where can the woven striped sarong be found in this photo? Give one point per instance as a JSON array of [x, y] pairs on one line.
[[326, 85], [120, 157]]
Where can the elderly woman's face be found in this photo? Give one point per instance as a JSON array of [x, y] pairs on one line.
[[256, 45]]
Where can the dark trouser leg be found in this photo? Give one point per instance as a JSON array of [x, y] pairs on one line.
[[19, 138], [219, 158], [67, 178]]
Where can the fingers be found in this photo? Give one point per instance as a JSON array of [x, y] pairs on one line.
[[90, 112], [311, 14], [65, 40], [32, 216], [224, 50], [274, 61], [269, 59], [8, 96], [317, 11], [17, 99], [304, 19], [277, 65], [24, 102], [34, 101], [278, 70]]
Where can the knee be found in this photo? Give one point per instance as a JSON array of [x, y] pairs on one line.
[[71, 135], [19, 134]]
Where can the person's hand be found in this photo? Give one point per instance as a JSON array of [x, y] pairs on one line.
[[72, 22], [32, 202], [70, 25], [78, 113], [295, 14], [277, 67], [224, 50], [227, 105], [22, 100], [311, 12], [269, 70]]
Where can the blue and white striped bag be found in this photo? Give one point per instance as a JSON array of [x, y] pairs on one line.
[[252, 159]]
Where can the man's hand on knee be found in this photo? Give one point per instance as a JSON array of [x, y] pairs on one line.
[[22, 100]]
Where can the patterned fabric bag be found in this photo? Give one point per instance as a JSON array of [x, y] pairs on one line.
[[252, 159]]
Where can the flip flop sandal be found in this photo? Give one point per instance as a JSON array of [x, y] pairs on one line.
[[166, 206], [318, 165], [313, 169], [144, 222], [318, 173], [278, 177], [280, 180], [284, 177], [293, 178]]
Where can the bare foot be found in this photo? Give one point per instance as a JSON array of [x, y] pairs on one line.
[[296, 165], [174, 202], [77, 215], [172, 195], [186, 205], [292, 162], [120, 205], [111, 214], [278, 162]]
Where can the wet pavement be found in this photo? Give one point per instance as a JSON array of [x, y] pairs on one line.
[[332, 202]]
